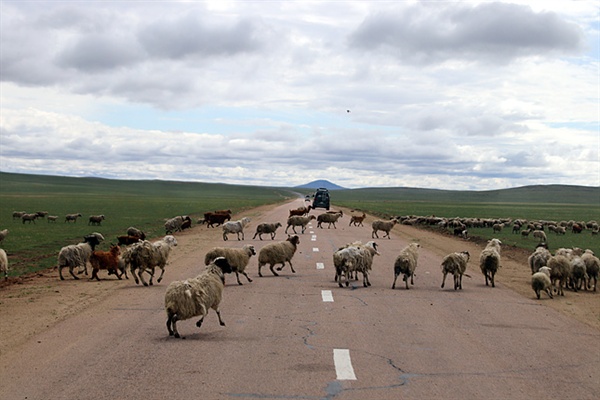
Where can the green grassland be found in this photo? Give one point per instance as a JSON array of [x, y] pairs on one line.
[[143, 204], [147, 204], [552, 202]]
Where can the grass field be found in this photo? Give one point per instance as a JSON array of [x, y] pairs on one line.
[[143, 204], [147, 204], [531, 203]]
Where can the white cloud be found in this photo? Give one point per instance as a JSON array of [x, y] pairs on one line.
[[474, 95]]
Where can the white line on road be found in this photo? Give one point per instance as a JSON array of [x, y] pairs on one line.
[[327, 296], [320, 266], [315, 249], [313, 238], [343, 364]]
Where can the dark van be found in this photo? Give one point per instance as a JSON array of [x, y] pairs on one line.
[[321, 199]]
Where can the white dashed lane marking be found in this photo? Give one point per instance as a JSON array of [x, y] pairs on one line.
[[320, 266], [313, 238], [343, 364], [315, 249], [327, 296]]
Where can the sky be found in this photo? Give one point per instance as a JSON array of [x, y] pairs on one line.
[[459, 95]]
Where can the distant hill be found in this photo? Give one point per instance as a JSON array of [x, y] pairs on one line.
[[322, 183]]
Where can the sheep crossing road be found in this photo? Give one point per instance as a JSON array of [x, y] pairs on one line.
[[300, 336]]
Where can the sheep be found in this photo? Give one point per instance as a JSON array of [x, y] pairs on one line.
[[18, 214], [497, 227], [29, 218], [174, 224], [578, 274], [78, 255], [237, 258], [385, 226], [108, 260], [133, 231], [540, 235], [4, 263], [215, 218], [489, 260], [145, 256], [455, 264], [539, 258], [3, 234], [236, 227], [278, 253], [267, 228], [540, 281], [560, 270], [52, 218], [297, 220], [127, 240], [526, 232], [96, 219], [406, 263], [330, 218], [357, 220], [300, 211], [592, 267], [194, 297], [72, 217], [353, 258]]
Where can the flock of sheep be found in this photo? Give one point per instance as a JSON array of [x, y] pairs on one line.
[[567, 268]]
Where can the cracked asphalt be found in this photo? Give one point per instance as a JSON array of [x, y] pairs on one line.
[[278, 342]]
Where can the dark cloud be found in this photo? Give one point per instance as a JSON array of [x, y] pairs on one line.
[[190, 36], [488, 32]]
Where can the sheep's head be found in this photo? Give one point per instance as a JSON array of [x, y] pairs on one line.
[[295, 240]]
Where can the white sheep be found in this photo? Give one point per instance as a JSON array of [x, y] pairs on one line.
[[145, 256], [297, 220], [278, 253], [194, 297], [560, 270], [330, 218], [455, 264], [406, 263], [539, 258], [237, 258], [3, 234], [489, 260], [578, 274], [133, 231], [3, 263], [78, 255], [174, 224], [236, 227], [353, 258], [386, 226], [540, 282], [267, 228], [592, 267], [540, 235]]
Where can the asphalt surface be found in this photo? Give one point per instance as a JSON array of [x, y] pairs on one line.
[[282, 333]]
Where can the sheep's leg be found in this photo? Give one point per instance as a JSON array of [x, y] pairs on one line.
[[444, 280], [492, 278], [247, 277], [221, 322], [292, 267], [259, 267], [374, 234], [135, 275], [549, 293], [162, 272], [71, 272], [394, 284], [273, 271], [60, 273], [405, 279], [237, 275], [95, 275]]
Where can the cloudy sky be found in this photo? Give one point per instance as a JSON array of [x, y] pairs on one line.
[[468, 95]]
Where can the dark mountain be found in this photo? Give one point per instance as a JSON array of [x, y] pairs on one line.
[[320, 184]]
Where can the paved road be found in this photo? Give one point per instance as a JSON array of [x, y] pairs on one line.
[[300, 336]]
